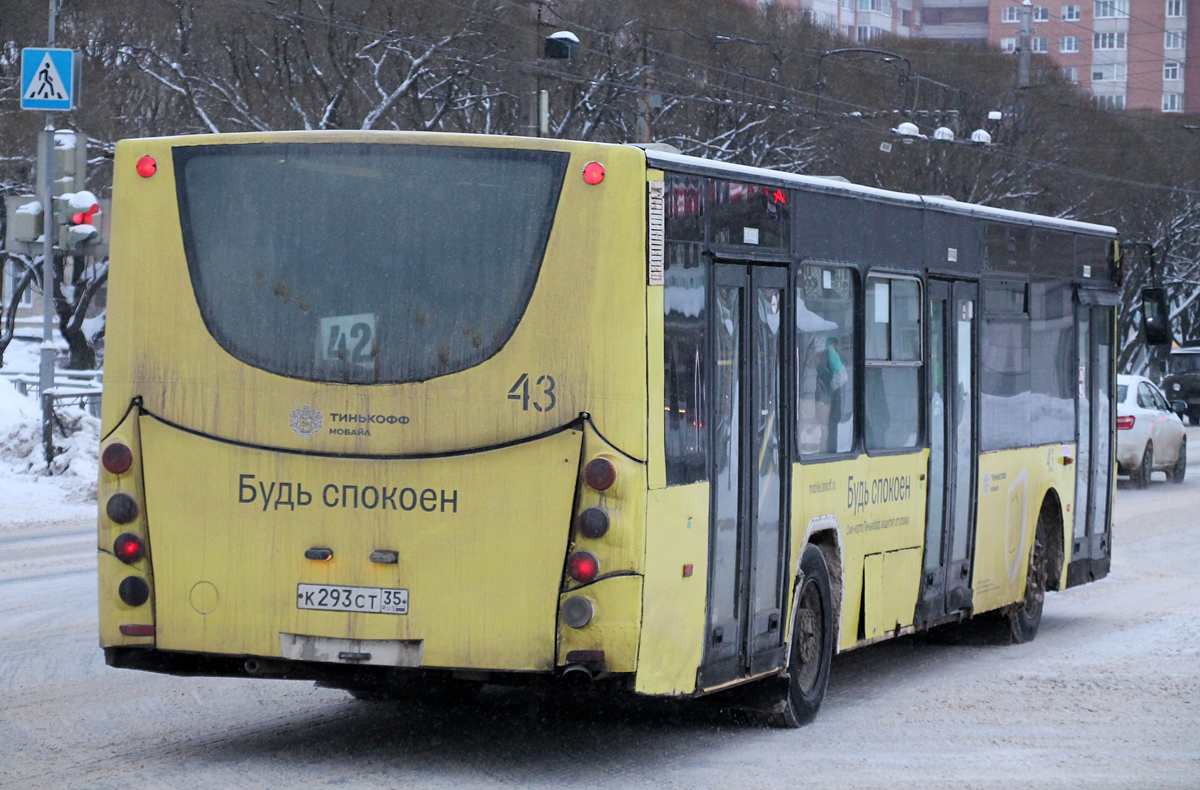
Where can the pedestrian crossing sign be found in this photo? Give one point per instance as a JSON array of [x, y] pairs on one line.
[[49, 79]]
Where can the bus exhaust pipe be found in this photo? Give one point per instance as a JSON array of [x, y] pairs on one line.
[[264, 668], [578, 673]]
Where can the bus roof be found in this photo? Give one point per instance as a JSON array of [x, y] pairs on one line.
[[676, 161]]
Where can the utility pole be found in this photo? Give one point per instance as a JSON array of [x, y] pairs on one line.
[[644, 132], [46, 177], [530, 96], [1026, 44]]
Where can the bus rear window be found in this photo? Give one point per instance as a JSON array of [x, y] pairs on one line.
[[364, 263]]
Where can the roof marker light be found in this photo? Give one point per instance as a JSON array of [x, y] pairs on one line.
[[593, 173], [146, 166]]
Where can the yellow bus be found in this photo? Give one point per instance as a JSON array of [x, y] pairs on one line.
[[393, 408]]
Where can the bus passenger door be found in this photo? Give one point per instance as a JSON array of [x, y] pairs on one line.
[[748, 542], [1091, 544], [950, 516]]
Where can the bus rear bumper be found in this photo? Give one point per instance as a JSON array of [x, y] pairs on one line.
[[384, 681]]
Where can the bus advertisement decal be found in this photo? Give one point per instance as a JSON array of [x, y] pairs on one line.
[[353, 496]]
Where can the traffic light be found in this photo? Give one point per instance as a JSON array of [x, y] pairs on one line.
[[24, 223], [70, 162], [79, 225], [77, 217]]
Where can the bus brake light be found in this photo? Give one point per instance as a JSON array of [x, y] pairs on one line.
[[1125, 423], [583, 566], [129, 548]]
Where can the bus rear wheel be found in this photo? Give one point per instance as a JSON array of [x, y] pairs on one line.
[[1026, 617], [811, 650]]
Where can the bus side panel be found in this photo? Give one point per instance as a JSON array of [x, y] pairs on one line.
[[480, 540], [879, 507], [673, 615], [1012, 485]]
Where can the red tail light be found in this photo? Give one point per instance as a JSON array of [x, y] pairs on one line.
[[1125, 423], [583, 566], [117, 458], [600, 474], [129, 548]]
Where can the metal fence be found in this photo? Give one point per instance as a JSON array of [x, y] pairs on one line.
[[71, 387]]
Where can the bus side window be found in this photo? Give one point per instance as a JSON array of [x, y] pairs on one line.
[[1004, 367], [892, 389], [1054, 376], [825, 353], [684, 334]]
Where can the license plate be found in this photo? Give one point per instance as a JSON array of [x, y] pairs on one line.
[[331, 598]]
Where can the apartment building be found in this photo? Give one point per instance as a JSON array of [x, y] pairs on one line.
[[860, 21], [1129, 54]]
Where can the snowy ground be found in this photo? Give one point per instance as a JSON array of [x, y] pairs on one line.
[[1107, 696], [39, 510]]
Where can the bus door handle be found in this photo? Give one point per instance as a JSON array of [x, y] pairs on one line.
[[773, 621], [718, 635]]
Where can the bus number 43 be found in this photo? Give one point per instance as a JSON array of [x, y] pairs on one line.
[[543, 397]]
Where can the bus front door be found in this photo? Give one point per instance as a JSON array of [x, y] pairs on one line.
[[747, 543], [1091, 544], [950, 517]]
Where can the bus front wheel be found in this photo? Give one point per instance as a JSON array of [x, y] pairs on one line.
[[811, 650]]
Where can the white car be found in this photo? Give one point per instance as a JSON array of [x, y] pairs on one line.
[[1150, 435]]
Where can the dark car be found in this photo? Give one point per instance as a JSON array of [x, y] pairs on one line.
[[1183, 380]]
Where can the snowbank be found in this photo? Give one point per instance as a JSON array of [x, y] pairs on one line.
[[29, 492]]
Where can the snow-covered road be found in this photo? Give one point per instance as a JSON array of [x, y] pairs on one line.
[[1108, 696]]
